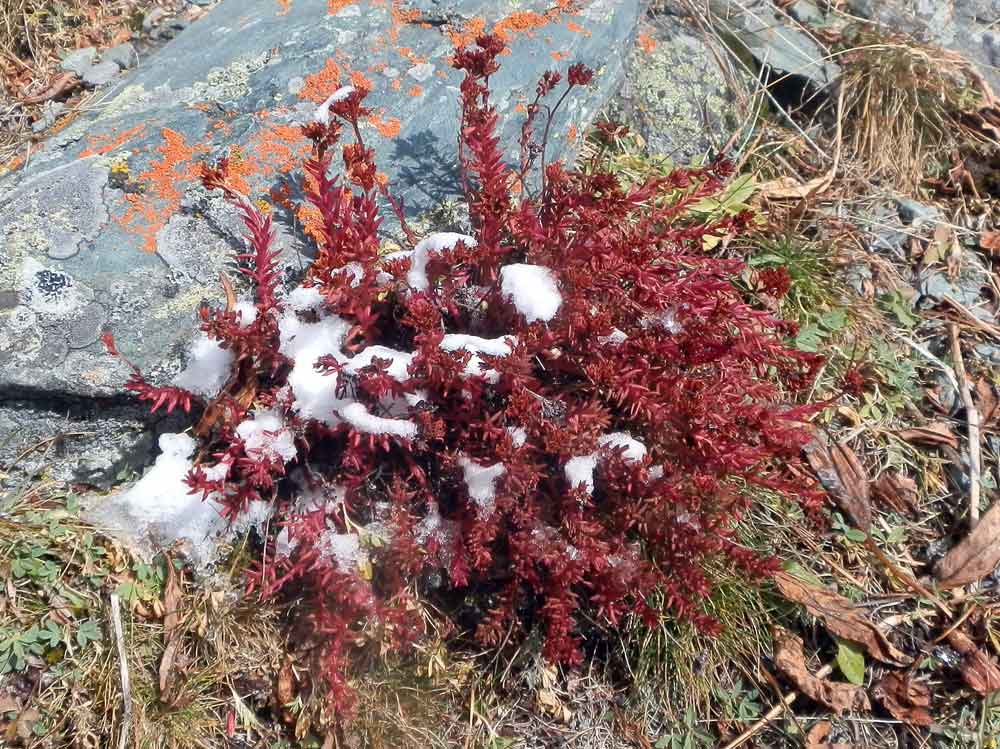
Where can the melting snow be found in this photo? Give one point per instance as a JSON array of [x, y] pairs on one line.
[[207, 368], [417, 276], [490, 346], [580, 470], [532, 289], [481, 483], [266, 433]]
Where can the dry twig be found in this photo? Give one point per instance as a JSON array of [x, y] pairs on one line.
[[116, 619]]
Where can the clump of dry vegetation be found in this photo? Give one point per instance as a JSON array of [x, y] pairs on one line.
[[903, 104]]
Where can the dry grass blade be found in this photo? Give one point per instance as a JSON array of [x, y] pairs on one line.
[[790, 658], [904, 103], [976, 556], [841, 618]]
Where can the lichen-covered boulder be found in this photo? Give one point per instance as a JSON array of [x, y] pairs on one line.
[[106, 226], [675, 94]]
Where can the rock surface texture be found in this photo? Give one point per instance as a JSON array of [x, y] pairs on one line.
[[106, 227]]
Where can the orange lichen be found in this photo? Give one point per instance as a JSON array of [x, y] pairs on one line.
[[466, 35], [12, 164], [396, 84], [382, 178], [520, 21], [416, 91], [360, 80], [388, 128], [558, 55], [572, 133], [160, 197], [335, 6], [102, 144], [318, 86], [286, 5], [280, 148], [577, 28], [520, 108], [646, 43]]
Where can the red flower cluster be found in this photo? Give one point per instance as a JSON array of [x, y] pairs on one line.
[[560, 414]]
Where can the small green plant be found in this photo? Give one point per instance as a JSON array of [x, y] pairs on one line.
[[687, 735]]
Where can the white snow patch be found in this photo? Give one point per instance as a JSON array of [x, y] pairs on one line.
[[481, 482], [490, 346], [343, 547], [305, 299], [518, 435], [161, 509], [359, 417], [580, 469], [357, 271], [322, 113], [303, 342], [246, 312], [615, 338], [417, 276], [266, 433], [207, 368], [634, 450], [397, 370], [532, 289]]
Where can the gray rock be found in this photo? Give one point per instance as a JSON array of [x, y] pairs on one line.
[[50, 113], [108, 228], [758, 29], [915, 214], [122, 55], [675, 95], [79, 61], [966, 288], [152, 18], [100, 74], [93, 443], [807, 12]]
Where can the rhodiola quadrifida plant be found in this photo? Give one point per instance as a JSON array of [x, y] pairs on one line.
[[559, 413]]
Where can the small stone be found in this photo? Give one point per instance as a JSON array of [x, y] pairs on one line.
[[50, 113], [100, 74], [153, 18], [915, 214], [79, 61], [122, 55], [202, 3]]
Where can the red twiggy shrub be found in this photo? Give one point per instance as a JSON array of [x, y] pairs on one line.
[[561, 412]]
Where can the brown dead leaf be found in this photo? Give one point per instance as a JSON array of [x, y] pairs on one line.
[[934, 434], [227, 288], [897, 491], [990, 241], [789, 188], [170, 661], [976, 556], [987, 401], [173, 594], [842, 474], [167, 672], [790, 657], [818, 735], [60, 84], [905, 699], [979, 670], [285, 691], [939, 246], [841, 618]]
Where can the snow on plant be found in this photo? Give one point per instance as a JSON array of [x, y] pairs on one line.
[[559, 414]]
